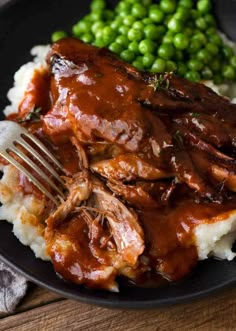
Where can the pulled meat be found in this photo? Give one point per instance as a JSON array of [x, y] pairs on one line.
[[155, 157]]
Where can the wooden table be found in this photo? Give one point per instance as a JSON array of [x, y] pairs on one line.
[[42, 310]]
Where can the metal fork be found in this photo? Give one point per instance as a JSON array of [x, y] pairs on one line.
[[12, 136]]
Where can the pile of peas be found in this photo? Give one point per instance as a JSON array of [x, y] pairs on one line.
[[160, 36]]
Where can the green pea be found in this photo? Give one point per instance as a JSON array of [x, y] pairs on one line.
[[122, 40], [204, 56], [139, 11], [182, 14], [151, 31], [83, 26], [97, 5], [107, 40], [123, 6], [167, 19], [97, 26], [193, 76], [215, 39], [161, 30], [215, 65], [181, 41], [128, 20], [204, 6], [168, 6], [135, 34], [87, 38], [124, 13], [228, 72], [76, 31], [87, 18], [127, 55], [57, 35], [115, 25], [146, 3], [138, 25], [156, 15], [171, 66], [147, 20], [181, 69], [154, 6], [207, 73], [168, 38], [188, 32], [148, 60], [138, 64], [166, 51], [159, 66], [194, 14], [186, 3], [96, 16], [194, 46], [210, 20], [146, 46], [107, 31], [233, 61], [175, 26], [212, 48], [99, 42], [211, 31], [115, 48], [218, 79], [201, 23], [123, 29], [179, 55], [227, 52], [195, 65], [99, 34], [199, 36], [134, 47]]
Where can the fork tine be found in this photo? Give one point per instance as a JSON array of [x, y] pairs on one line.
[[37, 142], [29, 176], [33, 152], [28, 161]]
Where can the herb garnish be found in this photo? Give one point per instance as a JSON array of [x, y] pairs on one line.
[[178, 137], [195, 114], [161, 82], [33, 115], [99, 75]]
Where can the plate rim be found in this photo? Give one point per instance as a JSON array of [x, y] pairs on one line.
[[134, 304], [108, 302]]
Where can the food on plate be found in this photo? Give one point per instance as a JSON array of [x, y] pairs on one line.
[[150, 168], [160, 36]]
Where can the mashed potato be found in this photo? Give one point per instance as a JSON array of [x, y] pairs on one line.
[[214, 238]]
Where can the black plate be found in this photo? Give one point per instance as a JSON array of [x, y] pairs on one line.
[[25, 24]]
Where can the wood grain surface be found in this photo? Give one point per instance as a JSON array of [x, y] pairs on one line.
[[42, 310]]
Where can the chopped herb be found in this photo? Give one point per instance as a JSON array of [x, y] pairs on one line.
[[33, 115], [178, 137], [98, 75], [195, 114], [161, 82]]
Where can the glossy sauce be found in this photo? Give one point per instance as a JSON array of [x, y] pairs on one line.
[[105, 110]]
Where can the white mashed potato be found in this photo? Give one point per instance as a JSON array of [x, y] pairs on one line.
[[24, 212], [214, 238]]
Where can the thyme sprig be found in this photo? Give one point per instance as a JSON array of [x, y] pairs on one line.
[[161, 82], [195, 114], [179, 138], [33, 116]]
